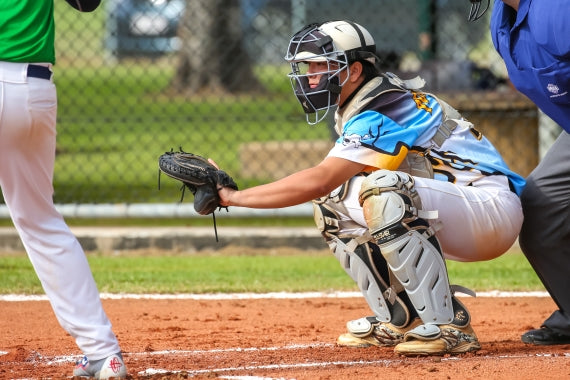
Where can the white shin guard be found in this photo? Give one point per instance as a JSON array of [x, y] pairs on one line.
[[357, 257], [372, 287], [392, 209]]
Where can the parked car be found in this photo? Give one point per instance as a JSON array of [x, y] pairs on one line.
[[142, 27]]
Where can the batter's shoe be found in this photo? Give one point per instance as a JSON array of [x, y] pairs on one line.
[[111, 367], [369, 331]]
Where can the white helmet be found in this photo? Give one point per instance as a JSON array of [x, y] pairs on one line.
[[339, 43]]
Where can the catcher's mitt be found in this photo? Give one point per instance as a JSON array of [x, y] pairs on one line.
[[201, 177]]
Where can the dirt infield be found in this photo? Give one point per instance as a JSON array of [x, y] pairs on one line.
[[273, 339]]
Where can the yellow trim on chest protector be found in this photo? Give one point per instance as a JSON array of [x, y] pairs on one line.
[[392, 162]]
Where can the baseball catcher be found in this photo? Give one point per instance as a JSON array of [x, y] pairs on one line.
[[408, 184], [198, 175]]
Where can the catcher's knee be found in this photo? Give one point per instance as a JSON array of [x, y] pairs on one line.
[[390, 203], [331, 214]]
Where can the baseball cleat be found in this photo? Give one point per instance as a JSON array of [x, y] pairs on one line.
[[369, 331], [434, 340], [111, 367]]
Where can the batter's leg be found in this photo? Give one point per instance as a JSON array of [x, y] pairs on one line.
[[27, 154]]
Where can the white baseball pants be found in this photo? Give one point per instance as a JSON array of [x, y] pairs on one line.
[[479, 222], [28, 108]]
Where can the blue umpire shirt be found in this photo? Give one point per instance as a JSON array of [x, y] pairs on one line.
[[535, 45]]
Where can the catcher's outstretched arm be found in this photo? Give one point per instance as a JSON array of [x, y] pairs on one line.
[[299, 187]]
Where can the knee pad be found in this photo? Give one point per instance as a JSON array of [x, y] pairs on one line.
[[392, 205], [393, 211], [330, 214]]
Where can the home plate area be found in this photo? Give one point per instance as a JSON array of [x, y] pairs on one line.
[[273, 337]]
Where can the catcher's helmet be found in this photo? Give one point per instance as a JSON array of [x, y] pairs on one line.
[[338, 43]]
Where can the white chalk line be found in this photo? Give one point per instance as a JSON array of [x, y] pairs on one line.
[[155, 371], [248, 296], [383, 362], [74, 358]]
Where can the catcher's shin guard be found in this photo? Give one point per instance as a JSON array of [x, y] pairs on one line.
[[363, 262], [392, 209]]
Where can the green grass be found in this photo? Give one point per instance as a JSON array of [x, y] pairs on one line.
[[199, 221], [109, 138], [259, 273]]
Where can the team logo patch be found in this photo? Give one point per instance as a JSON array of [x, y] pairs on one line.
[[84, 363], [552, 88], [354, 139], [555, 90], [421, 100]]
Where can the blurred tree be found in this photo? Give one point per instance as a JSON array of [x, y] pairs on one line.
[[212, 58]]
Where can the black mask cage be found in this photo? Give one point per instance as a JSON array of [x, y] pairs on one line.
[[318, 98], [311, 45]]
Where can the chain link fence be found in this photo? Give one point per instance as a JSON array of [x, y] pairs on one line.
[[139, 77]]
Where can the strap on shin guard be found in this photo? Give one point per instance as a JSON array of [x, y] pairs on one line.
[[419, 266], [393, 212], [357, 261], [360, 259]]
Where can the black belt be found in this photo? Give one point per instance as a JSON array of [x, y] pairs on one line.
[[37, 71]]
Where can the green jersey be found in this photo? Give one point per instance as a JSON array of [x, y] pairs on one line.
[[27, 31]]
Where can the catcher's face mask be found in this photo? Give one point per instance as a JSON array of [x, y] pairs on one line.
[[335, 45], [312, 45]]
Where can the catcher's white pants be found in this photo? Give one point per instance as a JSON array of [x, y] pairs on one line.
[[478, 222], [28, 108]]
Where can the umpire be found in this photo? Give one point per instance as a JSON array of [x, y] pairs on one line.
[[532, 38]]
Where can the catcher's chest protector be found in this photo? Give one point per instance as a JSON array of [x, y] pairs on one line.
[[415, 163]]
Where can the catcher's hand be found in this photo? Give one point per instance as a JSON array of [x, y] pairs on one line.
[[200, 176]]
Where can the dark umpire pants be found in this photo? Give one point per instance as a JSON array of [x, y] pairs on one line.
[[545, 234]]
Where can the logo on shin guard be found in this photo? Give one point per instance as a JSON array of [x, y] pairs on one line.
[[460, 316], [388, 234], [382, 236]]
